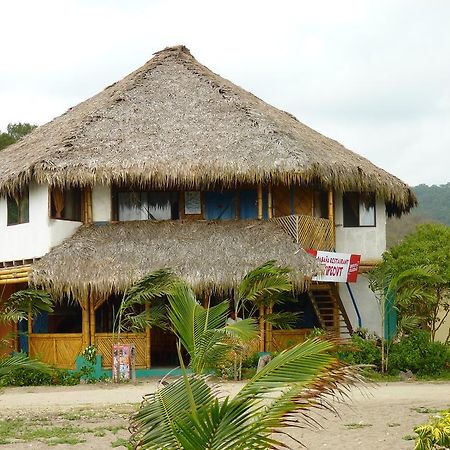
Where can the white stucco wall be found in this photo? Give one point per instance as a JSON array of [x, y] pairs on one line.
[[35, 238], [369, 242], [366, 302], [101, 203]]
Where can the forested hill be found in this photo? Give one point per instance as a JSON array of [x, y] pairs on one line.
[[434, 206], [434, 202]]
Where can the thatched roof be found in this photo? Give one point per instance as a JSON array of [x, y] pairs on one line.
[[174, 122], [107, 259]]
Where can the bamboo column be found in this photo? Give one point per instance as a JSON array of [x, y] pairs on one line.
[[331, 216], [269, 327], [91, 321], [30, 330], [87, 205], [260, 201], [85, 331], [148, 343], [261, 329], [269, 202]]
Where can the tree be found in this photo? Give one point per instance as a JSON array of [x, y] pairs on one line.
[[14, 132], [203, 332], [189, 414], [421, 266]]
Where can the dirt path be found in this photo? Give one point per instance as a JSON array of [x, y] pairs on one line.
[[95, 416]]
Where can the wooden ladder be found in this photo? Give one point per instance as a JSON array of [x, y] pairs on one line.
[[327, 305]]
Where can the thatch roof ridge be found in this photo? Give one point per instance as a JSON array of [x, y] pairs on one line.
[[175, 122], [106, 259]]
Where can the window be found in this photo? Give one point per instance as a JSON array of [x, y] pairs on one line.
[[18, 208], [321, 204], [359, 209], [66, 204], [220, 205], [147, 205]]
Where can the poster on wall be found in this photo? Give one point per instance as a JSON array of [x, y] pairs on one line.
[[123, 362], [338, 267]]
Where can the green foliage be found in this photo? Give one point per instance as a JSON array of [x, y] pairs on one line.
[[25, 376], [417, 353], [14, 131], [20, 361], [188, 413], [417, 271], [361, 351], [21, 303], [90, 354], [435, 434], [434, 202], [434, 206], [204, 332]]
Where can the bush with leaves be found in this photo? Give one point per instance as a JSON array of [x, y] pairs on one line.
[[361, 351], [417, 353], [434, 435]]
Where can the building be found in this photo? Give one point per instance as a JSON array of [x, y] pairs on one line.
[[174, 166]]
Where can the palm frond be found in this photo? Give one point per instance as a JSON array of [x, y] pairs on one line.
[[21, 361], [155, 425], [262, 284], [283, 320], [27, 301]]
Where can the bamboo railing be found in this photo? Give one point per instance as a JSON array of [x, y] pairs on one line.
[[308, 231]]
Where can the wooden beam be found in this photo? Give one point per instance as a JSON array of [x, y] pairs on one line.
[[260, 201], [331, 217], [14, 280], [269, 202]]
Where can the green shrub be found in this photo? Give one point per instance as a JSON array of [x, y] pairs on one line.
[[417, 353], [31, 377], [26, 377], [435, 434], [361, 351]]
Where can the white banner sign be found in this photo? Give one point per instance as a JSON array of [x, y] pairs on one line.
[[339, 267]]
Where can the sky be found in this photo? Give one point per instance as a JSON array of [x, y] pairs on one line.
[[374, 75]]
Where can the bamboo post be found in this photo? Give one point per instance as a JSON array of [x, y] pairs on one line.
[[87, 205], [91, 321], [260, 201], [331, 216], [261, 329], [148, 359], [30, 330], [85, 331], [269, 331], [269, 202]]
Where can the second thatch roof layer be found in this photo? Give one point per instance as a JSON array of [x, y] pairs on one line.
[[175, 122], [107, 259]]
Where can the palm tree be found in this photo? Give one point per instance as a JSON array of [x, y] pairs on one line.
[[204, 332], [188, 413], [18, 307]]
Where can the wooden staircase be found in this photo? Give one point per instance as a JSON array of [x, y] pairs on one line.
[[329, 309]]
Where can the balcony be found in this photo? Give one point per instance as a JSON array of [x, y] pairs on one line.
[[308, 231]]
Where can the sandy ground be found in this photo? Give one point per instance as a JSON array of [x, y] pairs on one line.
[[376, 419]]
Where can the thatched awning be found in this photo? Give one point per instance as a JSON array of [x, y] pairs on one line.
[[174, 122], [106, 259]]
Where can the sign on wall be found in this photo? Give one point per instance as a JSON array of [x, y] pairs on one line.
[[339, 267]]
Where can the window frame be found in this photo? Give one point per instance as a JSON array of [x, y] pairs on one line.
[[116, 190], [80, 207], [360, 200], [23, 216]]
